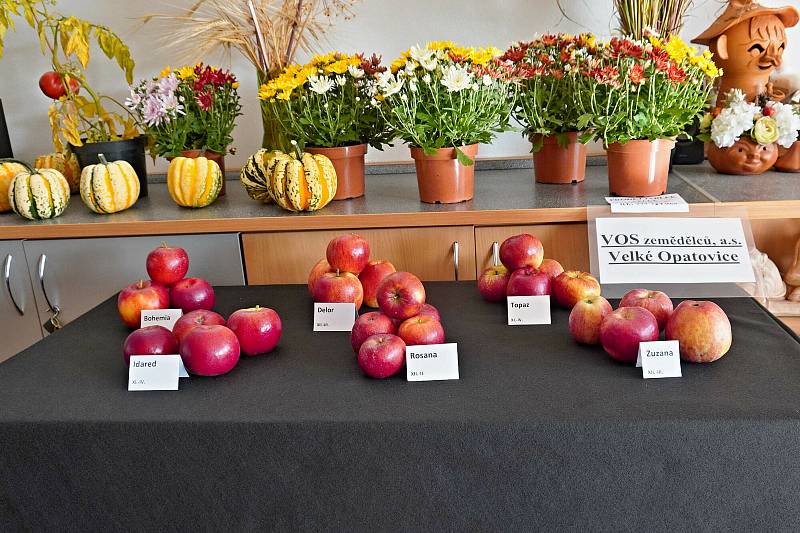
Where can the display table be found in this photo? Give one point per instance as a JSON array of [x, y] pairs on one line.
[[539, 433]]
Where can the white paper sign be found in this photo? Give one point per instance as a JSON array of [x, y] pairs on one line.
[[659, 359], [641, 250], [666, 203], [334, 317], [160, 317], [528, 310], [153, 372], [432, 362]]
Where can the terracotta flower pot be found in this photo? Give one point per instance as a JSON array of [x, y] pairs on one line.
[[441, 178], [639, 168], [789, 159], [554, 164], [745, 157], [349, 164], [217, 157]]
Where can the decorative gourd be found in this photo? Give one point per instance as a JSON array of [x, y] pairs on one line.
[[38, 194], [194, 182], [109, 187], [8, 169], [66, 163], [255, 175]]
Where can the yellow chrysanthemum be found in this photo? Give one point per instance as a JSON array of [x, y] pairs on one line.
[[442, 45], [185, 73], [482, 56], [323, 59], [164, 73], [400, 62], [337, 67], [284, 95], [265, 92], [655, 41], [235, 85], [677, 49]]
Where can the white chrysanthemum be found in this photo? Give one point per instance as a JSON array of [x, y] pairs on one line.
[[733, 121], [456, 79], [412, 85], [320, 84], [341, 81], [389, 84], [487, 80], [429, 63], [418, 53], [426, 78], [356, 72], [788, 123]]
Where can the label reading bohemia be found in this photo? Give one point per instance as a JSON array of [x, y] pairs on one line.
[[334, 317], [432, 362], [160, 317]]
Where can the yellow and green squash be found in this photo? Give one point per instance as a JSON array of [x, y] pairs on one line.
[[109, 187]]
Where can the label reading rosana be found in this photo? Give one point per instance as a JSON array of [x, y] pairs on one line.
[[659, 359], [672, 250], [334, 317], [153, 372], [528, 310], [432, 362]]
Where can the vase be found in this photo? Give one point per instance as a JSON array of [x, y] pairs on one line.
[[130, 150], [559, 164], [211, 155], [5, 140], [789, 158], [442, 178], [348, 161], [746, 157], [273, 138], [639, 168]]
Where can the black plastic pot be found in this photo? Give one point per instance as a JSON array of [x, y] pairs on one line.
[[688, 152], [130, 150], [5, 141]]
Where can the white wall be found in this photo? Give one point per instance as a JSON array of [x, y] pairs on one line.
[[384, 26]]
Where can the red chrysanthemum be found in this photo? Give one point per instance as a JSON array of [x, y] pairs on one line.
[[636, 74], [205, 100]]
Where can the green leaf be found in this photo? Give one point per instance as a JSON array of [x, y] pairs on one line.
[[464, 158]]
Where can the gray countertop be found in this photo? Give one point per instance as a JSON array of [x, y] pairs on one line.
[[771, 186]]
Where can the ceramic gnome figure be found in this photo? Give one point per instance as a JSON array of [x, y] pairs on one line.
[[748, 41]]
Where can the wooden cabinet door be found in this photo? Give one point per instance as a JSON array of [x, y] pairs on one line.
[[19, 321], [566, 243], [287, 257]]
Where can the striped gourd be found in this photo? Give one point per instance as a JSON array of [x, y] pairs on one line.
[[194, 182], [66, 163], [38, 194], [8, 169], [256, 174], [109, 187]]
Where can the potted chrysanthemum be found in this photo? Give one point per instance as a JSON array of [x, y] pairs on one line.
[[326, 107], [637, 96], [444, 99], [745, 137], [545, 107], [789, 158]]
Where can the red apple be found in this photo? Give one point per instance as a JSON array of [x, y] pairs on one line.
[[528, 282], [656, 302], [167, 264], [319, 269], [702, 330], [492, 283], [339, 287], [622, 331], [371, 277], [401, 295], [210, 351], [571, 286], [586, 317], [150, 340], [421, 330], [192, 319], [257, 328], [551, 267], [369, 324], [382, 355], [192, 293], [143, 294], [348, 253], [521, 251], [431, 311]]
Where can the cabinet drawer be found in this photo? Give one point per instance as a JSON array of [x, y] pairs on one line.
[[566, 243], [287, 257]]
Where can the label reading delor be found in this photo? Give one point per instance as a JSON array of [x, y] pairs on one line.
[[334, 317]]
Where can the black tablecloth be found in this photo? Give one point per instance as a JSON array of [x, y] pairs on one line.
[[538, 433]]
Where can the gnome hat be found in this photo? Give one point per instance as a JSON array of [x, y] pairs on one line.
[[740, 10]]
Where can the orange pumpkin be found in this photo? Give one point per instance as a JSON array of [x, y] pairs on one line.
[[66, 163]]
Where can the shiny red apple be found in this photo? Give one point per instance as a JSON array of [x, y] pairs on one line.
[[622, 331], [369, 324], [371, 277], [521, 251], [528, 282], [144, 294], [702, 330], [192, 319], [656, 302], [150, 340], [191, 293], [551, 267], [431, 311], [381, 356], [339, 287], [258, 329], [317, 271], [210, 350], [401, 295], [421, 330], [348, 253], [571, 286], [586, 317], [492, 283], [167, 264]]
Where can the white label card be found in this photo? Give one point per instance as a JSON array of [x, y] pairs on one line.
[[528, 310], [160, 317], [432, 362], [153, 372], [659, 359], [334, 317], [666, 203], [640, 250]]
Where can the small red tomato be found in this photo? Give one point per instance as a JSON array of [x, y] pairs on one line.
[[53, 87]]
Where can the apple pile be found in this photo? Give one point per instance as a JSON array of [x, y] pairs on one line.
[[207, 343]]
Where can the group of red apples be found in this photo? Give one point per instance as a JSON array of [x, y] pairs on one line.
[[346, 275], [207, 343]]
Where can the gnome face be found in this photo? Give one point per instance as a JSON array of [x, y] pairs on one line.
[[752, 48]]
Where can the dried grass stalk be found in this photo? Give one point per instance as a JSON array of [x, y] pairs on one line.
[[664, 17]]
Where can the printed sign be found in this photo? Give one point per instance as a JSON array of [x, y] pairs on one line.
[[528, 310], [334, 317], [659, 359], [432, 362], [153, 372], [666, 203]]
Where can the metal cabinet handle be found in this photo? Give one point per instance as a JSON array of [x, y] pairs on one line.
[[42, 262], [7, 279], [455, 258], [495, 253]]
